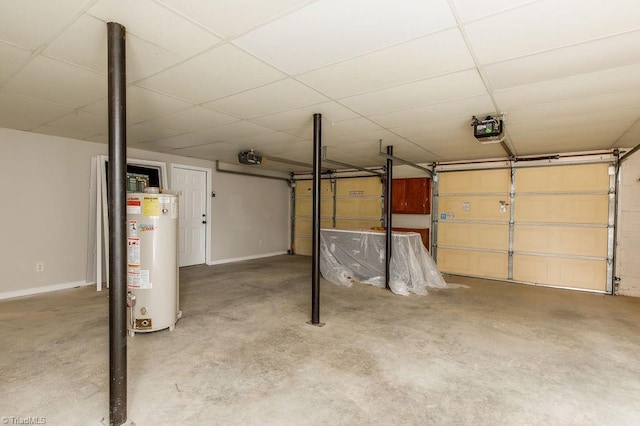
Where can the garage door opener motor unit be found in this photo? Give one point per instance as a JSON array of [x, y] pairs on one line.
[[249, 157], [489, 130]]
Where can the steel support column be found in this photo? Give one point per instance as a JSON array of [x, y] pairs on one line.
[[388, 196], [315, 237], [117, 195]]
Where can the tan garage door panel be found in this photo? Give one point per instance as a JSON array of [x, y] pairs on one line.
[[578, 241], [304, 225], [304, 206], [576, 178], [477, 181], [359, 207], [359, 186], [304, 188], [473, 235], [583, 209], [476, 263], [577, 273], [485, 208], [303, 245], [356, 224]]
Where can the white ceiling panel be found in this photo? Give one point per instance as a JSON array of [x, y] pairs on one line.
[[303, 117], [606, 104], [569, 88], [193, 120], [266, 144], [143, 104], [173, 142], [156, 24], [598, 55], [470, 10], [276, 97], [12, 60], [232, 17], [30, 23], [387, 67], [347, 127], [631, 137], [22, 113], [449, 87], [139, 133], [239, 129], [84, 123], [203, 150], [220, 72], [83, 43], [64, 132], [58, 82], [477, 105], [549, 24], [329, 31]]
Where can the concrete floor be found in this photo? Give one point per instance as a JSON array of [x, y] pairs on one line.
[[490, 354]]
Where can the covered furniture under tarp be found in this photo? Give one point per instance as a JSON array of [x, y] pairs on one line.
[[347, 256]]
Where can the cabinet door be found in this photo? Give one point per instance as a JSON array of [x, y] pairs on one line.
[[416, 196], [398, 203]]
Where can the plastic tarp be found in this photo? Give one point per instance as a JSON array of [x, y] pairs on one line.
[[347, 256]]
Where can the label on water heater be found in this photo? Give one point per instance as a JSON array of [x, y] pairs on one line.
[[144, 279], [174, 207], [150, 206], [133, 251], [133, 205]]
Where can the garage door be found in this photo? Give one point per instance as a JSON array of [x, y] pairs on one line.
[[542, 225], [561, 226], [473, 223], [347, 203]]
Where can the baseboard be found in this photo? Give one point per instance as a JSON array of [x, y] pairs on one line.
[[239, 259], [43, 289]]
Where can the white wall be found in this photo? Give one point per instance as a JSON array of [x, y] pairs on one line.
[[44, 184], [627, 264]]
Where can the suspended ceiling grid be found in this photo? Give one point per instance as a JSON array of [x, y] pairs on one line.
[[208, 79]]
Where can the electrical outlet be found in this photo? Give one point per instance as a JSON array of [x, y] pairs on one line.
[[39, 267]]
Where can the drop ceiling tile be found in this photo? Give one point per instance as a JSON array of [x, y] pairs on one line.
[[276, 97], [17, 112], [606, 104], [219, 72], [202, 150], [569, 88], [44, 20], [303, 117], [568, 139], [65, 132], [470, 10], [266, 144], [597, 55], [173, 142], [143, 104], [239, 129], [433, 55], [353, 126], [86, 124], [477, 105], [631, 136], [232, 17], [329, 31], [100, 138], [85, 43], [12, 60], [549, 24], [445, 88], [192, 120], [139, 133], [58, 82], [152, 22]]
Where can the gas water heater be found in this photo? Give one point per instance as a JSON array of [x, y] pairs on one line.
[[152, 261]]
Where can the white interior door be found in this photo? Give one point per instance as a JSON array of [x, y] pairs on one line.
[[192, 185]]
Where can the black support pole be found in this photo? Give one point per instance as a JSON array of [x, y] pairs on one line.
[[117, 226], [317, 179], [388, 196]]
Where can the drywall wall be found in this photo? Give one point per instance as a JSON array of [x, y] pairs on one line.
[[45, 182], [410, 220], [628, 249]]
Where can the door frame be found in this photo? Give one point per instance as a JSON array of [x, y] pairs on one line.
[[208, 194]]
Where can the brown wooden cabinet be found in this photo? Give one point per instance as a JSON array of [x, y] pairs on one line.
[[411, 196]]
